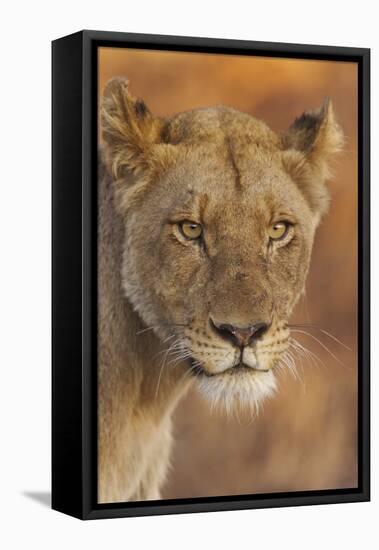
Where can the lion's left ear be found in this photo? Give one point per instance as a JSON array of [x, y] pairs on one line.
[[130, 131], [309, 145]]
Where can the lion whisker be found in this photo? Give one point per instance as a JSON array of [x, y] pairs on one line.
[[178, 359], [164, 360], [306, 353], [323, 331], [321, 344]]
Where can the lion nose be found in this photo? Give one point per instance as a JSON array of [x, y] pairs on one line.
[[240, 336]]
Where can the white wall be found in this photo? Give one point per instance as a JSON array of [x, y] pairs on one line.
[[27, 28]]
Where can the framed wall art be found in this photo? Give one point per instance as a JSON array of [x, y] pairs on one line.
[[210, 275]]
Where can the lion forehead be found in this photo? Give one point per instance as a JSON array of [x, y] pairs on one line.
[[216, 124]]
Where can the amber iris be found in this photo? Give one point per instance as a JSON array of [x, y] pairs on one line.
[[191, 230], [278, 230]]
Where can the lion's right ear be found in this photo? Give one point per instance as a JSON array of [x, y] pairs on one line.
[[308, 146], [129, 130], [315, 134]]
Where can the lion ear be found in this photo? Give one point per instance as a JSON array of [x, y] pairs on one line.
[[129, 130], [309, 144]]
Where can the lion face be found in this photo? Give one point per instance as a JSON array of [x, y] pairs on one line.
[[219, 215]]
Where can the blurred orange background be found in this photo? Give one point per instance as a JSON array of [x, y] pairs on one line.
[[306, 437]]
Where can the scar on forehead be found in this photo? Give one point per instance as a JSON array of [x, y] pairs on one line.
[[196, 201], [233, 162], [203, 202]]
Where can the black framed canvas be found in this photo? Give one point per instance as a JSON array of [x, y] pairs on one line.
[[210, 275]]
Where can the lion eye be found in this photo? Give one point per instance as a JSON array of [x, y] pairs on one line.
[[278, 230], [191, 230]]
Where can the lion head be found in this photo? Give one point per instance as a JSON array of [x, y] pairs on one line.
[[220, 214]]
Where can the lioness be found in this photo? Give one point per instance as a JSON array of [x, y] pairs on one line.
[[206, 225]]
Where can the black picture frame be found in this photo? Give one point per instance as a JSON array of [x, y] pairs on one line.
[[74, 205]]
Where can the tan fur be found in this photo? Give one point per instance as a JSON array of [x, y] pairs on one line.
[[158, 291]]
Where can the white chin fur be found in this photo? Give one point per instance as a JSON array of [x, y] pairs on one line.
[[239, 392]]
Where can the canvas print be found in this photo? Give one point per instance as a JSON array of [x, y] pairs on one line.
[[227, 275]]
